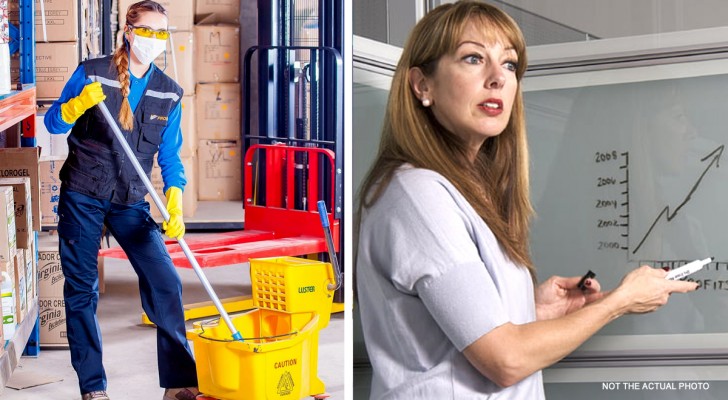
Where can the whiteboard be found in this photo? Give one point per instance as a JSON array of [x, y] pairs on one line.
[[627, 171]]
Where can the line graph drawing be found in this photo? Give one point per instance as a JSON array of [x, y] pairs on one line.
[[714, 158]]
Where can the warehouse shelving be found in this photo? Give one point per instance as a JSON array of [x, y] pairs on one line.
[[18, 344], [18, 107]]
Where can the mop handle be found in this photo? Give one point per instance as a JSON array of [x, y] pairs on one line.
[[165, 215], [324, 215]]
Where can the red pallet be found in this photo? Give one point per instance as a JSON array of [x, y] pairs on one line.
[[200, 242], [240, 253], [274, 230]]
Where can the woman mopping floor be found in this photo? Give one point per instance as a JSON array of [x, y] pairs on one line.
[[100, 187]]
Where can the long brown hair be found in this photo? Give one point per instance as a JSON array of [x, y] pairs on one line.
[[121, 58], [496, 183]]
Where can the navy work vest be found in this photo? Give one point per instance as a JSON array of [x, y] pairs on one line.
[[97, 165]]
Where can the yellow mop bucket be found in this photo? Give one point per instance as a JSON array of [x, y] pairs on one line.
[[292, 285], [278, 357]]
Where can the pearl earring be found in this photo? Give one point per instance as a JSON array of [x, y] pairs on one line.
[[426, 102]]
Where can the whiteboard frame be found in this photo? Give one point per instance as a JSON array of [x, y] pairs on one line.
[[675, 69], [623, 52]]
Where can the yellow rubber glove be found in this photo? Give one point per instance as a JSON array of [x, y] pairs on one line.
[[91, 95], [175, 228]]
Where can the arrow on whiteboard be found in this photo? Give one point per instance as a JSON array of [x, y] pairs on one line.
[[714, 157]]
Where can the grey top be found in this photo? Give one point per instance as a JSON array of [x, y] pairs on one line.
[[431, 280]]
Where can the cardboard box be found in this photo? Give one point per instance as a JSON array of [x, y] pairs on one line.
[[217, 53], [218, 111], [179, 13], [189, 196], [219, 171], [23, 208], [8, 233], [51, 144], [61, 19], [215, 11], [178, 62], [21, 295], [50, 273], [23, 162], [188, 125], [54, 65], [50, 188], [52, 318]]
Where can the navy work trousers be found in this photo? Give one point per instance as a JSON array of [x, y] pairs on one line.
[[81, 219]]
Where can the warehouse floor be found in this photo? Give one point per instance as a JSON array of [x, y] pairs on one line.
[[130, 347]]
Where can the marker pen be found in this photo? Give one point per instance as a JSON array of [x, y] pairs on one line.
[[583, 279], [688, 269]]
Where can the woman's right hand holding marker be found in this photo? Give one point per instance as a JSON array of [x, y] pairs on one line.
[[646, 289]]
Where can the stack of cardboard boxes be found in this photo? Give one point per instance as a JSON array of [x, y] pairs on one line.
[[218, 105], [20, 216], [15, 199], [50, 292], [57, 45], [35, 262], [219, 150]]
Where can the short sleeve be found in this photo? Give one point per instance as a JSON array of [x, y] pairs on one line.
[[431, 253], [464, 302]]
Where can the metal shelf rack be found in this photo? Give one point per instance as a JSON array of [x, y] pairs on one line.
[[18, 107]]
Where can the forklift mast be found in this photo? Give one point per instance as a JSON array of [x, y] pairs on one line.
[[298, 68]]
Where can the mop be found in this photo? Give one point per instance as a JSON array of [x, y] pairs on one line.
[[165, 215]]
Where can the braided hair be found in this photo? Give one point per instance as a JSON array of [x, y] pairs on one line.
[[121, 59]]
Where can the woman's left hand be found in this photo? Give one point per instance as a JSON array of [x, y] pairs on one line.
[[559, 296]]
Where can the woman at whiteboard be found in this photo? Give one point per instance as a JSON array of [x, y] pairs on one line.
[[446, 286]]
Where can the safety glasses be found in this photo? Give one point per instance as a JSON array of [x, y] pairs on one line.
[[147, 32]]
